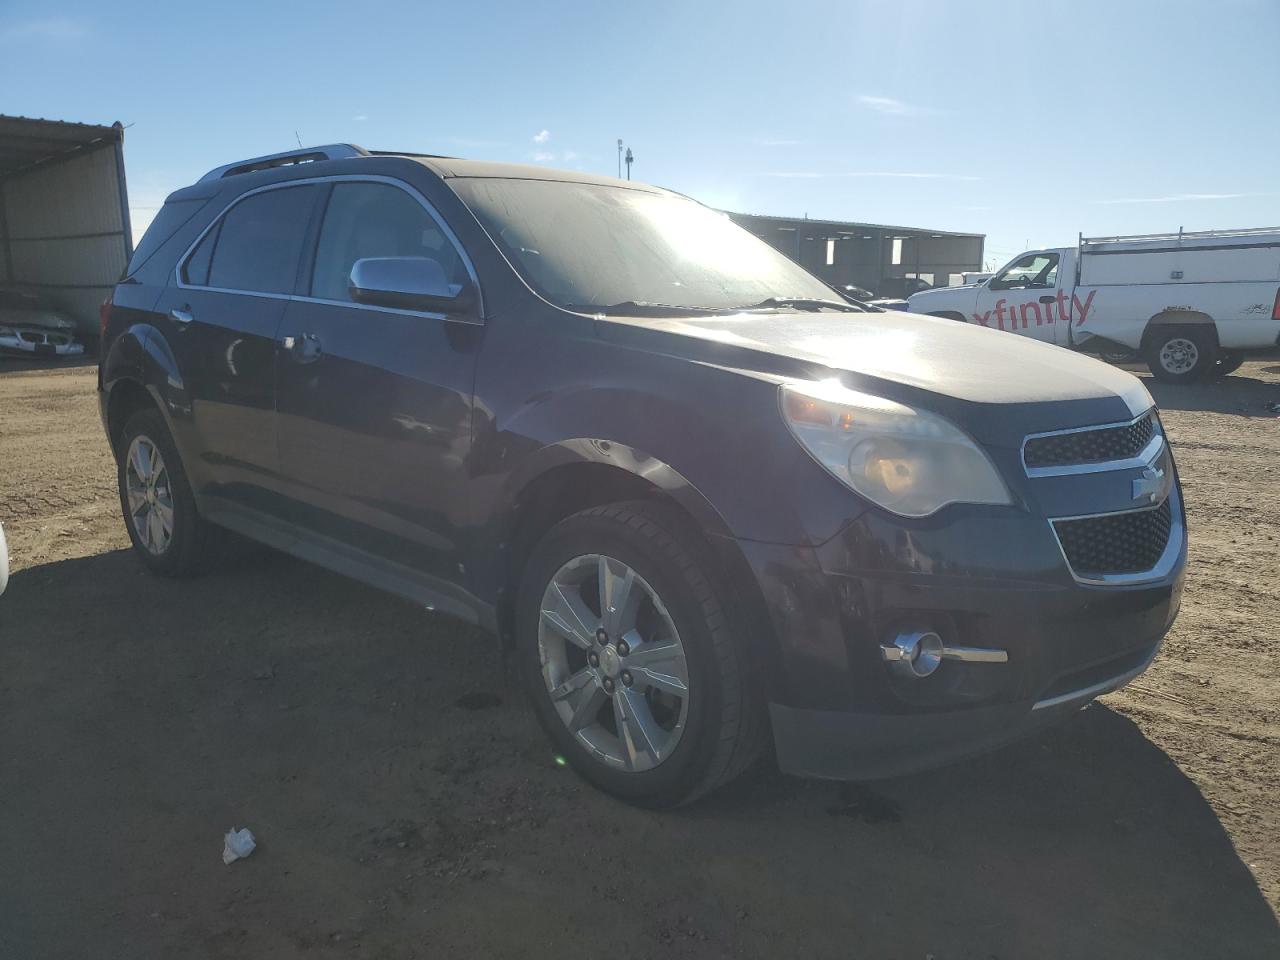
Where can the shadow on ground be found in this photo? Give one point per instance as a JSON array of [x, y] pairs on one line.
[[1236, 394], [406, 806]]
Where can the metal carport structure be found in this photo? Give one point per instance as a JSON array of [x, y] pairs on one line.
[[64, 212]]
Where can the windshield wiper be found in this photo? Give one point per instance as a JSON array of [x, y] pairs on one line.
[[804, 303], [642, 308]]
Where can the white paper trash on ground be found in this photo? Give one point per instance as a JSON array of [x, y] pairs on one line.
[[237, 844]]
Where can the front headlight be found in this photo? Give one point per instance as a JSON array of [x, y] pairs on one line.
[[906, 460]]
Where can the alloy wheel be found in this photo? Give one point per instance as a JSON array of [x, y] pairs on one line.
[[613, 663], [150, 496]]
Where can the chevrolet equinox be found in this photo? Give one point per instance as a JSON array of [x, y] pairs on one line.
[[711, 508]]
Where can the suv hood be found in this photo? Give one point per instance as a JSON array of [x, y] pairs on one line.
[[964, 368]]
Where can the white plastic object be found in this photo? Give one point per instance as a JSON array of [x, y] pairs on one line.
[[237, 844]]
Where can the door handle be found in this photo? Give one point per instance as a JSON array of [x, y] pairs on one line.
[[1046, 299], [304, 348], [181, 316]]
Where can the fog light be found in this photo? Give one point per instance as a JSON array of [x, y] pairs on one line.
[[914, 654]]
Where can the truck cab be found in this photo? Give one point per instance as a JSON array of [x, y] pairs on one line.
[[1031, 295]]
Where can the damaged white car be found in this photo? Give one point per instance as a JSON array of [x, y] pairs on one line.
[[31, 327]]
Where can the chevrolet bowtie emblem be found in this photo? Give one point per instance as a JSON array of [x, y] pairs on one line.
[[1150, 485]]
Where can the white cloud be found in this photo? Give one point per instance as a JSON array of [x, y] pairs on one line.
[[891, 107], [857, 174], [543, 156], [47, 28], [360, 117], [542, 136], [569, 156], [1177, 197]]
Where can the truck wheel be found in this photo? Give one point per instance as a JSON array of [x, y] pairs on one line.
[[626, 649], [1181, 354], [160, 512], [1227, 363]]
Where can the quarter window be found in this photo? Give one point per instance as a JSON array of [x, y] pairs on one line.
[[376, 220], [257, 245], [196, 272]]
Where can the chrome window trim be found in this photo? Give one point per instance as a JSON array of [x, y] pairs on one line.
[[1143, 458], [1163, 566], [407, 188]]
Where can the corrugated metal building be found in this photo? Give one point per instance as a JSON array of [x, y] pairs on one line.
[[867, 254], [64, 212]]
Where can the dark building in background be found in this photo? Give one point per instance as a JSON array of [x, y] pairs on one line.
[[866, 254]]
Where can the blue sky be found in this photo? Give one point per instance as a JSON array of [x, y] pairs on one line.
[[1026, 121]]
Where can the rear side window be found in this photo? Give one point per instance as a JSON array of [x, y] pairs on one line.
[[258, 243], [376, 220], [172, 217]]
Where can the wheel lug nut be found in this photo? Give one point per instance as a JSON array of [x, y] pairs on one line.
[[623, 648], [626, 678], [608, 685], [602, 638], [593, 659]]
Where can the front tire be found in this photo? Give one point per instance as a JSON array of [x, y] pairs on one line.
[[1181, 354], [166, 529], [649, 692]]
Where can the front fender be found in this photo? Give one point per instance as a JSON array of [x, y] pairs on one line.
[[713, 436], [620, 456]]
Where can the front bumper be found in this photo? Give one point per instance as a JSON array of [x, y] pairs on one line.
[[979, 579], [833, 745], [38, 342]]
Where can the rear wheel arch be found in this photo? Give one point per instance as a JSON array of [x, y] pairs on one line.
[[1193, 326], [948, 315], [126, 397]]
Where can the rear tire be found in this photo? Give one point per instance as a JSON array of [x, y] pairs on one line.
[[166, 529], [586, 683], [1181, 354]]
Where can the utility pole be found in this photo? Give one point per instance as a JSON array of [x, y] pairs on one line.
[[619, 158], [630, 158]]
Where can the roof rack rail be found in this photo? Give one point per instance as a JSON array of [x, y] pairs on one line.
[[1185, 235], [333, 151]]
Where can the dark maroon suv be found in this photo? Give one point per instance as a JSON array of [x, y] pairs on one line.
[[714, 510]]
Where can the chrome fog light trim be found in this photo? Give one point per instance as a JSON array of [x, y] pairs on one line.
[[918, 653]]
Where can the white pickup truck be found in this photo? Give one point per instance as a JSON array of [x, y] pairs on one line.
[[1190, 304]]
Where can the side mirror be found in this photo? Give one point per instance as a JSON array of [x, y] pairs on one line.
[[409, 283]]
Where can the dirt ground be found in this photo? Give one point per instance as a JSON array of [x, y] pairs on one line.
[[406, 805]]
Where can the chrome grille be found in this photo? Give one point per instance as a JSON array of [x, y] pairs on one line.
[[1097, 445], [1117, 543]]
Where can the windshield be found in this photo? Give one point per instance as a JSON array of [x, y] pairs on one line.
[[586, 246]]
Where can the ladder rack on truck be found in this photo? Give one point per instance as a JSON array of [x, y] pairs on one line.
[[1249, 233]]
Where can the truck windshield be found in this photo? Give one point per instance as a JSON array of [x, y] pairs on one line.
[[632, 251]]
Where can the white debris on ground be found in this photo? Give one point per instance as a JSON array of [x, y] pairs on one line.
[[237, 844]]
